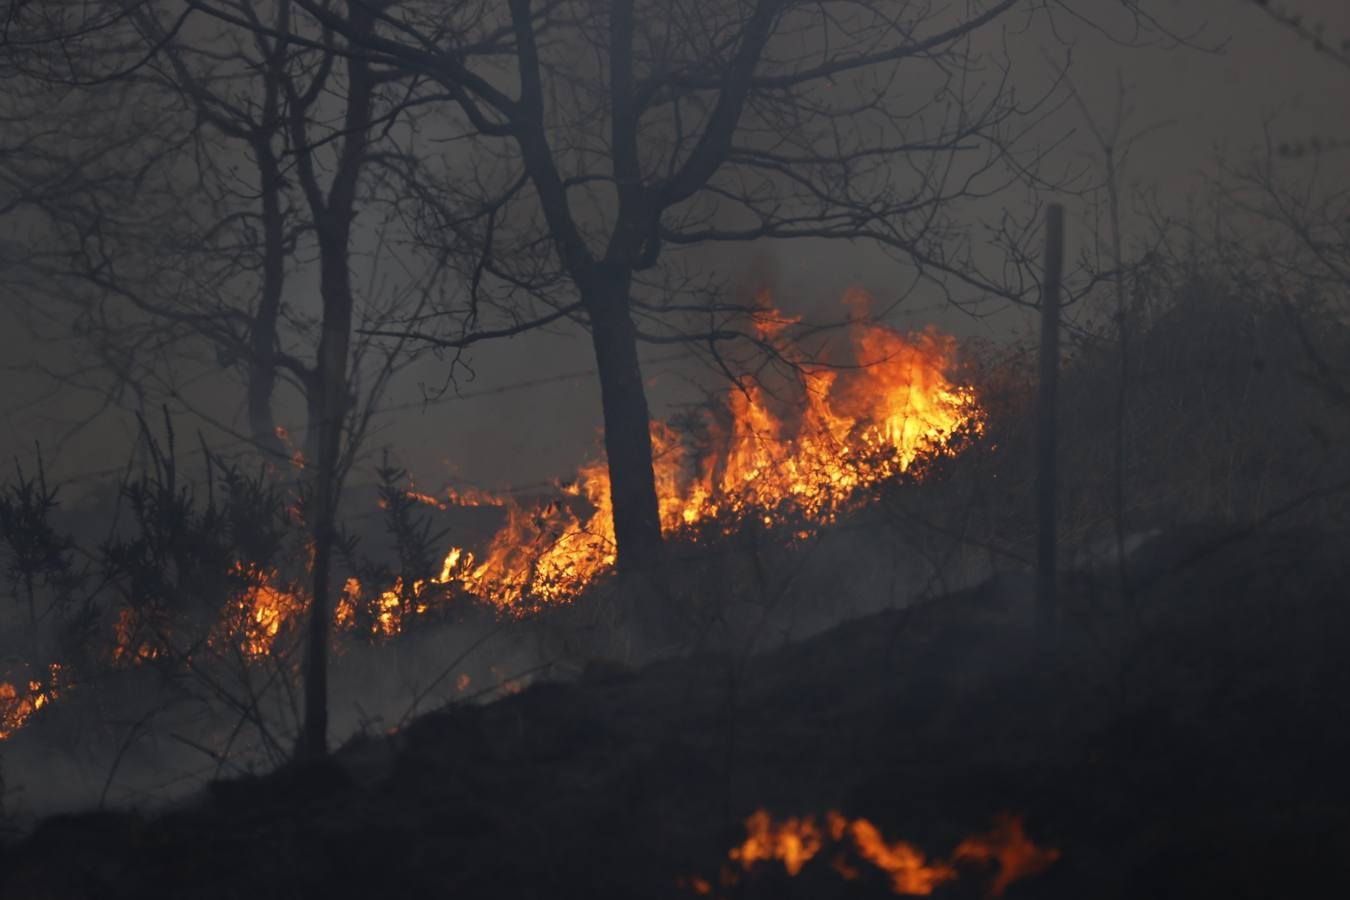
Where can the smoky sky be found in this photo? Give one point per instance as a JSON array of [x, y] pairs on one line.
[[528, 410]]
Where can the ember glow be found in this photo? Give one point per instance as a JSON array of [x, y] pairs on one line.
[[849, 430], [18, 703], [255, 618], [1008, 846], [795, 841], [909, 870], [454, 497], [296, 456], [132, 647]]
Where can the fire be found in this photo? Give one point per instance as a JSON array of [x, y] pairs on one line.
[[548, 553], [853, 429], [131, 648], [795, 841], [257, 614], [254, 618], [1008, 846], [297, 456], [390, 608], [799, 454], [473, 497], [266, 608], [17, 705], [908, 868], [454, 497], [426, 499]]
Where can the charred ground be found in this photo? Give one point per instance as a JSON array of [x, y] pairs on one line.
[[1187, 743]]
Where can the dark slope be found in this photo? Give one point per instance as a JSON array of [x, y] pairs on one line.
[[1189, 743]]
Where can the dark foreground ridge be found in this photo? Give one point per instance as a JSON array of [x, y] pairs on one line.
[[1188, 742]]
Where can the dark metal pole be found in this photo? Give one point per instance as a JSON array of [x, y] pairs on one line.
[[1047, 603]]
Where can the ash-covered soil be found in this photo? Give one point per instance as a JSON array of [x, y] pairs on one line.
[[1188, 739]]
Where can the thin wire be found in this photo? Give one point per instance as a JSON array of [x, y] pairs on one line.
[[528, 384]]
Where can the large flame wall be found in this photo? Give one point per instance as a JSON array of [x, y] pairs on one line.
[[798, 453], [800, 458]]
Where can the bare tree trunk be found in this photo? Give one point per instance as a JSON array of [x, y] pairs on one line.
[[334, 346], [1047, 601], [258, 133], [333, 218], [628, 441], [313, 416], [263, 334]]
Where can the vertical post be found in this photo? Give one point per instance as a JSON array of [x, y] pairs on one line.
[[1047, 603]]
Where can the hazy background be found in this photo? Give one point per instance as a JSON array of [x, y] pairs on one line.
[[530, 411]]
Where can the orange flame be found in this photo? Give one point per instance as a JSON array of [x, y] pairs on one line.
[[453, 498], [908, 868], [1008, 846], [257, 615], [796, 841], [856, 428], [793, 842], [851, 430], [266, 608], [297, 456], [18, 706], [131, 647], [390, 608], [473, 497]]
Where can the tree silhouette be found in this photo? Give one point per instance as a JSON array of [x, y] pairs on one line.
[[612, 135], [224, 158]]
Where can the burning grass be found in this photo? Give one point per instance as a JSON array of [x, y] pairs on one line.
[[19, 703], [799, 462], [792, 456], [797, 841]]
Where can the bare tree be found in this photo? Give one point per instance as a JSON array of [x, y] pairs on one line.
[[1311, 31], [610, 132], [334, 209], [1293, 205], [257, 124], [264, 158]]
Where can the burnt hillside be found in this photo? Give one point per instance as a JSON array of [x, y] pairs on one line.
[[1184, 741]]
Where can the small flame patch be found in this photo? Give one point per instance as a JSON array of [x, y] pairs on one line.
[[797, 840]]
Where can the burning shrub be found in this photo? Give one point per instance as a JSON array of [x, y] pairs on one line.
[[419, 576], [187, 564], [19, 703], [799, 465], [796, 841], [46, 584]]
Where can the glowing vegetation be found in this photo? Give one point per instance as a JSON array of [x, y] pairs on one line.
[[854, 428], [857, 843], [18, 703], [798, 462]]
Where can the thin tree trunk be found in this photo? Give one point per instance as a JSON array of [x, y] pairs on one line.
[[263, 335], [1047, 601], [333, 218], [309, 447], [334, 346], [628, 442]]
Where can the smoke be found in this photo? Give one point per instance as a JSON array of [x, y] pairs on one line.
[[144, 738]]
